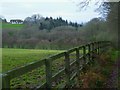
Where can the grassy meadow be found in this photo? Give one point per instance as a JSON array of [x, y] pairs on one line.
[[12, 26], [12, 58]]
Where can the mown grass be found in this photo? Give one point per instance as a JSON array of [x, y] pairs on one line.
[[94, 77], [12, 58], [12, 26]]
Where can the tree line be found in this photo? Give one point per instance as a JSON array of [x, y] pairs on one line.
[[61, 37], [48, 23], [49, 33]]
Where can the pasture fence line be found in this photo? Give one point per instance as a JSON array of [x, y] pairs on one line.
[[81, 60]]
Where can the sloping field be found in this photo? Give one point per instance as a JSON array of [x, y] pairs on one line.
[[12, 26]]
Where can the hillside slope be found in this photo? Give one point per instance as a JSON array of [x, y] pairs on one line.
[[12, 26]]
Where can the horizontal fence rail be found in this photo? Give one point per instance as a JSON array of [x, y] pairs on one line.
[[81, 60]]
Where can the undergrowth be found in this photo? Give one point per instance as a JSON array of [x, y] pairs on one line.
[[98, 73]]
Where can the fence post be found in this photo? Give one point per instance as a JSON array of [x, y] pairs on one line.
[[84, 58], [48, 64], [67, 69], [84, 54], [100, 45], [5, 82], [92, 51], [78, 64], [89, 51], [98, 48]]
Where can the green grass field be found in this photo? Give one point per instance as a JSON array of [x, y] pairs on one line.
[[12, 58], [12, 26]]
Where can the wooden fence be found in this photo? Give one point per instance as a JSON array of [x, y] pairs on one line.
[[88, 52]]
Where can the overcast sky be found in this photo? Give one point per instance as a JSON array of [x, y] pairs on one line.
[[67, 9]]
